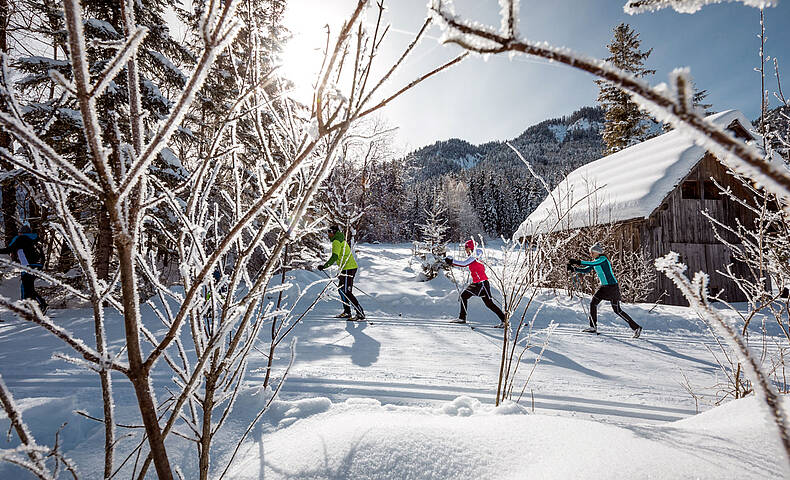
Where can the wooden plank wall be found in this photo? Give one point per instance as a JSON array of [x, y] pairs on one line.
[[678, 225]]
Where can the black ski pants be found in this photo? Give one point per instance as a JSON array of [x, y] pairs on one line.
[[610, 293], [345, 285], [29, 289], [482, 290]]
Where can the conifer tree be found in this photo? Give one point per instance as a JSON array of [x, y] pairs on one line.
[[698, 100], [625, 124], [8, 185], [435, 226], [55, 115], [431, 251]]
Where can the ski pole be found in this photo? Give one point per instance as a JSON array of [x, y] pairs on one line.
[[577, 279], [355, 287], [455, 282]]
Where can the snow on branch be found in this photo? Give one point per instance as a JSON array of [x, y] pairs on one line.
[[29, 138], [665, 103], [696, 292], [216, 38], [38, 173], [686, 6], [117, 63], [45, 276]]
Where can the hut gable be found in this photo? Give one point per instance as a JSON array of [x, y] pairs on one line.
[[628, 185]]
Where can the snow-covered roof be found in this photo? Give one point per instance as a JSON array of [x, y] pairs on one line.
[[626, 185]]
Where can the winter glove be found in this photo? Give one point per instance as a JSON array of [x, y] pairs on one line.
[[574, 261], [321, 267], [448, 261], [569, 267]]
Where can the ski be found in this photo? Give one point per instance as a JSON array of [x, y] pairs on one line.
[[334, 319]]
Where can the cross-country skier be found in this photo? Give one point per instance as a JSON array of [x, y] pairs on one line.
[[609, 289], [23, 249], [479, 286], [341, 254]]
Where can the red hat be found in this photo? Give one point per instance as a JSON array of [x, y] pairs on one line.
[[470, 244]]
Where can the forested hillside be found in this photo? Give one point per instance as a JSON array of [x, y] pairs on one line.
[[485, 189]]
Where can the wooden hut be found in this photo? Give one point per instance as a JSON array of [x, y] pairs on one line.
[[653, 195]]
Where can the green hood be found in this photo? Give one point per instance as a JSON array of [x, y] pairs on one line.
[[339, 237]]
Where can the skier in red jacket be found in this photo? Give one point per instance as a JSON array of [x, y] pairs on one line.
[[479, 286]]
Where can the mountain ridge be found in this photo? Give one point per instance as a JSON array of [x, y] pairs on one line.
[[562, 140]]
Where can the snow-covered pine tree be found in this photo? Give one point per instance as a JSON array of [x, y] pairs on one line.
[[55, 114], [341, 199], [431, 249], [8, 181], [435, 226], [698, 100], [625, 124], [347, 199], [387, 216], [462, 221]]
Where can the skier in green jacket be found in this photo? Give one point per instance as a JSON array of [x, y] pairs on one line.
[[609, 289], [342, 255]]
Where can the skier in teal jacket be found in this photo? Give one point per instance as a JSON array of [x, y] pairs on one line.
[[609, 289]]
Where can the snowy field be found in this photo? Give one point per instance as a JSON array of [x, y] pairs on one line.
[[410, 396]]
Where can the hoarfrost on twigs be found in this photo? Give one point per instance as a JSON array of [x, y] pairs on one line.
[[685, 6]]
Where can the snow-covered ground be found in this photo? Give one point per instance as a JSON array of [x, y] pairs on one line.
[[410, 395]]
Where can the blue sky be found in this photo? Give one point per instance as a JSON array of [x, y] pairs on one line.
[[497, 98]]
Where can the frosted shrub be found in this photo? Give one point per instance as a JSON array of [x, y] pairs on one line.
[[431, 251], [430, 258]]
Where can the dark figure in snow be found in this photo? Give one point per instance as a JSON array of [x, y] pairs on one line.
[[341, 254], [609, 289], [23, 250], [479, 286]]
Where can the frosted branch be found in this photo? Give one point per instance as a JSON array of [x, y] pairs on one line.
[[29, 138], [218, 40], [118, 61], [686, 6], [34, 315], [696, 292]]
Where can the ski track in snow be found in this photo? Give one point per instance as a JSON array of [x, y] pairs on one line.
[[690, 348]]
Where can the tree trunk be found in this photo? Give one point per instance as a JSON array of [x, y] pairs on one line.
[[103, 245], [208, 410], [9, 200], [138, 373], [65, 258]]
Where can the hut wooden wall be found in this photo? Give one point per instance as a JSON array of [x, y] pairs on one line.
[[678, 225]]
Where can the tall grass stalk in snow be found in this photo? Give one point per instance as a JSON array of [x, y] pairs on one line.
[[526, 267]]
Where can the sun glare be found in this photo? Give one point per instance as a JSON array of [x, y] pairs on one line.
[[302, 55]]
